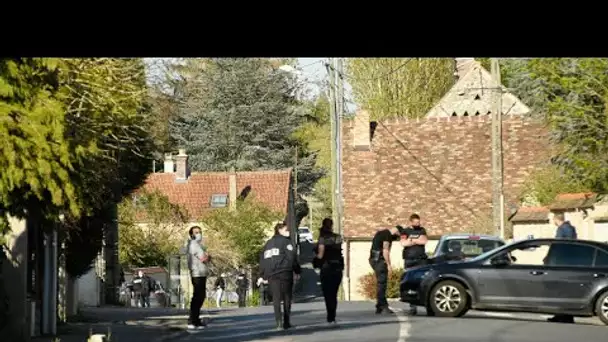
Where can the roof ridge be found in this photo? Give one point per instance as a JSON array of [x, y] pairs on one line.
[[481, 118], [223, 173]]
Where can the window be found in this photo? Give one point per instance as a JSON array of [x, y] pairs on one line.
[[470, 247], [601, 259], [570, 254], [219, 200], [530, 254]]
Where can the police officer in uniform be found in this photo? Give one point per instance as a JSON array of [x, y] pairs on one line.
[[413, 240], [331, 262], [278, 263], [380, 261], [241, 288]]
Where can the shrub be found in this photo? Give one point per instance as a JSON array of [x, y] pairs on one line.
[[367, 285]]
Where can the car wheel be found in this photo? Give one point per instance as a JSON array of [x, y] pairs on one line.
[[448, 299], [601, 307]]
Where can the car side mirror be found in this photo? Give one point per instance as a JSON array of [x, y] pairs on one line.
[[500, 261]]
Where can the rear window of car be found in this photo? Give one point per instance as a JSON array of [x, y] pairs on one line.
[[470, 247], [304, 230]]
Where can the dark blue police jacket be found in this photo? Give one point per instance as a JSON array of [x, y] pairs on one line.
[[566, 231]]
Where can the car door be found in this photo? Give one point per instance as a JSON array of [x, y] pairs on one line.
[[517, 284], [568, 279]]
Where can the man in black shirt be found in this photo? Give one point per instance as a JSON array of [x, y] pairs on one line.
[[413, 240], [380, 261]]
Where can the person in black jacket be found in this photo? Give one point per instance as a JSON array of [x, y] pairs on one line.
[[278, 264], [242, 284], [220, 287], [142, 286], [331, 262]]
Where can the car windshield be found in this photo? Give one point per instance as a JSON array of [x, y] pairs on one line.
[[486, 254], [469, 247]]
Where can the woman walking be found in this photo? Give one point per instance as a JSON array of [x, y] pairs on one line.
[[331, 262]]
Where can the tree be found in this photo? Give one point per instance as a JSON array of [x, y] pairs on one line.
[[399, 87], [241, 113], [34, 156], [315, 137], [150, 229], [107, 129], [242, 232], [572, 94]]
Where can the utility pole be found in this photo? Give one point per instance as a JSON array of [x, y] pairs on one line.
[[339, 116], [331, 72], [497, 168]]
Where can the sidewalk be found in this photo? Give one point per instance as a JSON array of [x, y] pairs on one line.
[[124, 325]]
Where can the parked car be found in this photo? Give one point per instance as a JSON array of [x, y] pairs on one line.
[[305, 235], [548, 276], [465, 245]]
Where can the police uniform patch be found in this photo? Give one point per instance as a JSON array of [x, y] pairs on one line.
[[290, 247]]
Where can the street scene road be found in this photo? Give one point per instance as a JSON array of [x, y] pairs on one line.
[[356, 322]]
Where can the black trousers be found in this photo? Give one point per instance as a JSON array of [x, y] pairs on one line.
[[242, 293], [199, 292], [264, 294], [330, 284], [281, 287], [381, 272]]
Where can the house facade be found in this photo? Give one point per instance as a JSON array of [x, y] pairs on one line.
[[438, 166]]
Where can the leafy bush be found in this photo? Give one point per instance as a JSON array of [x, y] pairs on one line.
[[242, 232], [367, 286], [254, 299]]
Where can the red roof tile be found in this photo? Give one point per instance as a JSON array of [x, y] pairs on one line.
[[574, 200], [528, 214], [438, 168], [268, 187]]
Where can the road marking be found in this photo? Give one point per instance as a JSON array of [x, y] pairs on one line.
[[496, 314], [404, 325]]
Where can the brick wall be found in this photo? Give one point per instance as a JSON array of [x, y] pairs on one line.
[[439, 168]]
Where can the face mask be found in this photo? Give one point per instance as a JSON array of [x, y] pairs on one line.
[[141, 275], [198, 237]]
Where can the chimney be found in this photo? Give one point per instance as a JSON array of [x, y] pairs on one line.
[[232, 184], [362, 131], [181, 160], [169, 165], [463, 65]]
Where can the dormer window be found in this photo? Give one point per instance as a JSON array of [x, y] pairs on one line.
[[219, 200]]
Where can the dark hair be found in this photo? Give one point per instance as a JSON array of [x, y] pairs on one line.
[[414, 217], [326, 226], [278, 227], [560, 217], [191, 230]]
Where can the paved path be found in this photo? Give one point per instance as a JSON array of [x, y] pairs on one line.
[[357, 322]]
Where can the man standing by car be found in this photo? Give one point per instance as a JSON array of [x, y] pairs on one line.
[[564, 231], [142, 285], [413, 240], [380, 261]]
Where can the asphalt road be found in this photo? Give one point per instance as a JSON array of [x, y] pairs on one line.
[[357, 322]]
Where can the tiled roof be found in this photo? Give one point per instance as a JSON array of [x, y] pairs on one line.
[[574, 201], [531, 214], [439, 168], [473, 95], [268, 187]]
